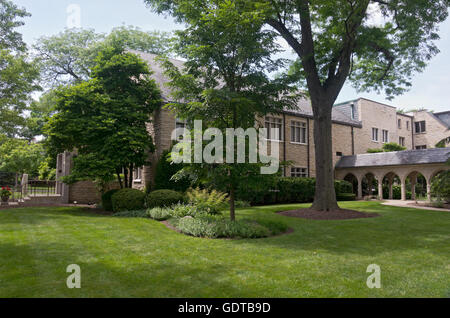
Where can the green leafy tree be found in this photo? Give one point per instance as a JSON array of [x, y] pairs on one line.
[[20, 156], [336, 41], [104, 119], [18, 77], [165, 170], [226, 86], [69, 56]]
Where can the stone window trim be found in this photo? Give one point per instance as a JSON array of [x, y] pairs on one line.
[[375, 134], [420, 127], [299, 132], [277, 123], [137, 175], [401, 141], [385, 136], [299, 172]]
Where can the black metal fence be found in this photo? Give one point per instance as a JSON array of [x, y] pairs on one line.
[[41, 188]]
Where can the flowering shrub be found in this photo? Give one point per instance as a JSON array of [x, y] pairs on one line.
[[5, 192]]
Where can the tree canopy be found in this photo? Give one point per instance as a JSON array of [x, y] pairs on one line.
[[18, 77], [225, 84], [376, 44], [104, 119]]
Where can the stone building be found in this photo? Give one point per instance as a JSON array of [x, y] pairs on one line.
[[358, 125]]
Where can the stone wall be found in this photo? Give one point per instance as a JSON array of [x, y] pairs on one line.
[[86, 192], [435, 130]]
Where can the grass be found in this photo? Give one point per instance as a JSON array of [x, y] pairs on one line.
[[133, 257]]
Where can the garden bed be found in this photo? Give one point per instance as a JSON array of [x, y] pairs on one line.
[[340, 214]]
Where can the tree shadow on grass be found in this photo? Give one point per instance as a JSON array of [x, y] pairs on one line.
[[395, 230]]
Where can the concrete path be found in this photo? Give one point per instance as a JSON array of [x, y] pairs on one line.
[[409, 204]]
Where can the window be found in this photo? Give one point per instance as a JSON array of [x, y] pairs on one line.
[[375, 134], [420, 127], [407, 125], [401, 141], [339, 154], [352, 110], [299, 172], [298, 132], [137, 175], [399, 124], [385, 136], [421, 147], [275, 124]]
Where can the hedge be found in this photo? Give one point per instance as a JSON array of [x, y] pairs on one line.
[[291, 190], [128, 200], [162, 198]]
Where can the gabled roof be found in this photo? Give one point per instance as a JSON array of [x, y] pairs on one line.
[[443, 117], [303, 108], [409, 157]]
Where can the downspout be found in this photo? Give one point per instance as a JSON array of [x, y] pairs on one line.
[[353, 141], [284, 142], [308, 149]]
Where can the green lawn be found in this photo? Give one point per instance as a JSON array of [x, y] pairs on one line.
[[122, 257]]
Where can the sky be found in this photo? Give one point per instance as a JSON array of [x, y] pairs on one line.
[[431, 89]]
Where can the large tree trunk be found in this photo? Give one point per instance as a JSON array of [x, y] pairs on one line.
[[325, 195]]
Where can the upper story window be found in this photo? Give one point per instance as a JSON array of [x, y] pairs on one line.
[[137, 175], [407, 125], [298, 132], [420, 126], [401, 141], [353, 111], [385, 136], [375, 134], [399, 124], [274, 128], [299, 172]]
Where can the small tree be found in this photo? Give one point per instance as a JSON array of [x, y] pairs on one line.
[[388, 147], [226, 85]]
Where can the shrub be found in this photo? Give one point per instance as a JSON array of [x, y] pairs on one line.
[[128, 200], [213, 227], [162, 198], [181, 210], [159, 214], [132, 214], [210, 202], [106, 199], [346, 197], [440, 186], [164, 172], [342, 187]]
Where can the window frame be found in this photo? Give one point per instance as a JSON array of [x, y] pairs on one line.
[[377, 139], [301, 126], [401, 141], [422, 127], [385, 132], [299, 172], [275, 121]]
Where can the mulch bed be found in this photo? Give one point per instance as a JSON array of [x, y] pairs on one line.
[[330, 215]]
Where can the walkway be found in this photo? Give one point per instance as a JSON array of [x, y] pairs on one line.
[[408, 204]]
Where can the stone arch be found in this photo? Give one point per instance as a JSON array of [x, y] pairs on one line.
[[369, 183], [416, 184], [389, 180], [353, 179]]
